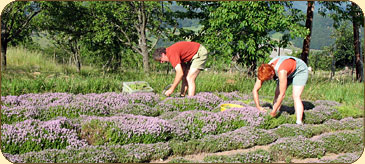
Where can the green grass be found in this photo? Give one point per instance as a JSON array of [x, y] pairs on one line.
[[32, 72]]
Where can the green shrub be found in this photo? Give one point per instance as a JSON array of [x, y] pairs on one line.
[[321, 113], [180, 160], [140, 153], [30, 145], [284, 118], [220, 159], [98, 132], [291, 130], [345, 158], [184, 148], [346, 141], [17, 116], [257, 156], [296, 147], [348, 111], [239, 139]]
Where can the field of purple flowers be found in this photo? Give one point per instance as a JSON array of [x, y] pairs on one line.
[[146, 127]]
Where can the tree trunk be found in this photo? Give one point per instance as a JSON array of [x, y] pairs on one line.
[[142, 38], [144, 50], [333, 66], [146, 66], [54, 55], [359, 62], [308, 25], [4, 46], [315, 65], [70, 61], [78, 62]]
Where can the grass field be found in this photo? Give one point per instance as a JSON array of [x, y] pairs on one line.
[[30, 72], [63, 116]]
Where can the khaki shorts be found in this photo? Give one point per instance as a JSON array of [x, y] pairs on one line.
[[199, 59]]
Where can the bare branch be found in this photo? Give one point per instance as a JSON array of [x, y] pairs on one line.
[[24, 24], [154, 44]]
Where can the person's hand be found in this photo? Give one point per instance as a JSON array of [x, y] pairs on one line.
[[261, 108], [169, 92], [273, 113]]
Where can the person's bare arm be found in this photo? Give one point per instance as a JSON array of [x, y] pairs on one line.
[[178, 76], [255, 92], [280, 94]]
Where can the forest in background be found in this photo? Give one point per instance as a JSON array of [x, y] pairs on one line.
[[116, 36]]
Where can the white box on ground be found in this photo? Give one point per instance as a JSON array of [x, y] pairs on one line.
[[136, 86]]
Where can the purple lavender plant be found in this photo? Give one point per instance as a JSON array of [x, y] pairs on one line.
[[298, 146], [321, 113], [35, 135], [348, 123], [342, 141], [125, 129], [195, 124], [49, 105], [202, 101], [328, 103], [136, 153], [345, 158]]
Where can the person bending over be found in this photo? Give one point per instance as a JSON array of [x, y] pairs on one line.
[[188, 59], [286, 70]]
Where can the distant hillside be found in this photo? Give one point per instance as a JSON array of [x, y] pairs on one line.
[[321, 33], [321, 30]]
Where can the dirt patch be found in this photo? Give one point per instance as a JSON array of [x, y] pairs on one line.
[[199, 157]]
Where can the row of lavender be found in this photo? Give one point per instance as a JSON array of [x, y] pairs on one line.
[[35, 122], [34, 135], [51, 105], [286, 141]]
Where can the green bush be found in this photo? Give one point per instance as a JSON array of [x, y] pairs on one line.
[[98, 132], [296, 147], [346, 141], [284, 118], [239, 139], [140, 153], [184, 148], [35, 135], [13, 118], [290, 130], [180, 160], [30, 145], [257, 156], [320, 116]]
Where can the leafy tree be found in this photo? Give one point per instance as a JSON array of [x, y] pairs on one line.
[[196, 10], [242, 28], [340, 53], [133, 24], [342, 11], [16, 24], [67, 22], [344, 49]]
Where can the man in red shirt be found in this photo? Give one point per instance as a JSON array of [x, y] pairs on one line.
[[188, 58]]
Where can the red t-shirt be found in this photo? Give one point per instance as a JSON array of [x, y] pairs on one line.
[[289, 65], [181, 52]]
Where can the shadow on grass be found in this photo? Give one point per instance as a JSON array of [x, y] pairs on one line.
[[290, 109]]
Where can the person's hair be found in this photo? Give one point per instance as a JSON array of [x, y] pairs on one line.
[[158, 53], [265, 72]]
